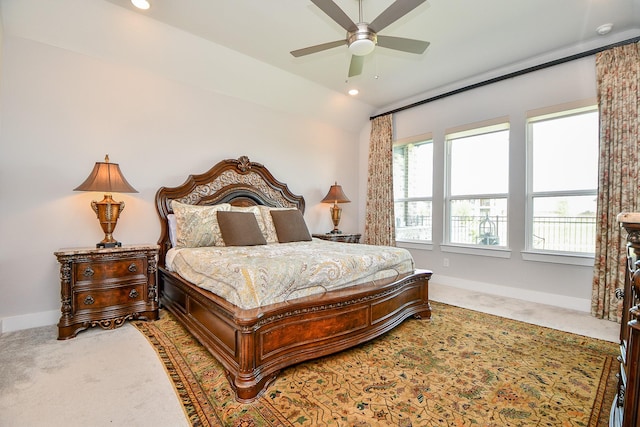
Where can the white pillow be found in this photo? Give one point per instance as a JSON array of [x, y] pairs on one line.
[[173, 225]]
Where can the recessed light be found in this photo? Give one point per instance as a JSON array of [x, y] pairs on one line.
[[604, 29], [353, 92], [141, 4]]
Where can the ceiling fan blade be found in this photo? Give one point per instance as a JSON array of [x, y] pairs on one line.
[[355, 68], [405, 45], [317, 48], [397, 10], [335, 13]]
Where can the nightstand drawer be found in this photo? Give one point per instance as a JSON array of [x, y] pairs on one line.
[[99, 271], [100, 298]]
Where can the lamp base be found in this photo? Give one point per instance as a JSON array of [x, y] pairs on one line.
[[109, 245], [108, 211], [336, 211]]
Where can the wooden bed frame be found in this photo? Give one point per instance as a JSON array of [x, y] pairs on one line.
[[254, 345]]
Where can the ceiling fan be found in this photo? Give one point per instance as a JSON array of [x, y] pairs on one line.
[[363, 37]]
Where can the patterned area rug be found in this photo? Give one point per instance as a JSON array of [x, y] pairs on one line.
[[461, 368]]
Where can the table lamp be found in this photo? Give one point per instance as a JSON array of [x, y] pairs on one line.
[[107, 177], [335, 196]]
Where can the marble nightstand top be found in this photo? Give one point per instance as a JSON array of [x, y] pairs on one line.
[[629, 217]]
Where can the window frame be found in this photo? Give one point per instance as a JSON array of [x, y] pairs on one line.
[[416, 140], [475, 129], [547, 255]]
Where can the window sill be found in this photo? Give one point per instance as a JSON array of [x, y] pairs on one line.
[[495, 252], [559, 258], [415, 244]]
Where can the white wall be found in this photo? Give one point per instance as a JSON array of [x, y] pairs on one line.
[[63, 110], [563, 285]]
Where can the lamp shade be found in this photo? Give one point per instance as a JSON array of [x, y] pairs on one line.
[[106, 177], [335, 195]]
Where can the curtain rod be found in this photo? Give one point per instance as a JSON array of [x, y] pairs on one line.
[[511, 75]]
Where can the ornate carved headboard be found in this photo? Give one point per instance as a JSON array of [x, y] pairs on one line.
[[239, 182]]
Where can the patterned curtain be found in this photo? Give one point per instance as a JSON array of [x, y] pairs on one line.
[[618, 75], [379, 225]]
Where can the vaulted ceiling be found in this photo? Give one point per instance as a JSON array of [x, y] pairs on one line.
[[470, 40]]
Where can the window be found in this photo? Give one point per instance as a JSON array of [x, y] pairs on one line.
[[562, 181], [412, 188], [477, 186]]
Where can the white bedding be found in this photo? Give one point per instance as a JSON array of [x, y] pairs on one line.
[[254, 276]]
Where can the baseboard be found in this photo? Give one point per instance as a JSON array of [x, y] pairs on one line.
[[555, 300], [27, 321]]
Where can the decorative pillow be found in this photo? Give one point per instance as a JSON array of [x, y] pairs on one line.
[[290, 226], [240, 229], [258, 213], [197, 226], [270, 229]]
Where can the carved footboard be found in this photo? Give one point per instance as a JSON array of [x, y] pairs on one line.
[[254, 345]]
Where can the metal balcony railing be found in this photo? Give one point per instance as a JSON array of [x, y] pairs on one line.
[[474, 230], [552, 233], [567, 234]]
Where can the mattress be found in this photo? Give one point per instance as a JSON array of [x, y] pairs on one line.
[[255, 276]]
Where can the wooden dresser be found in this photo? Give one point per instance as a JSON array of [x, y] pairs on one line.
[[625, 411], [105, 287]]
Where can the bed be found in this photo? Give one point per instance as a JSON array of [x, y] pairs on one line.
[[254, 343]]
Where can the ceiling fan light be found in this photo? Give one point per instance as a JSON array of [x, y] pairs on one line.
[[362, 47]]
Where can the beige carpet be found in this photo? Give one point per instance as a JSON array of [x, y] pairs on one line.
[[101, 378]]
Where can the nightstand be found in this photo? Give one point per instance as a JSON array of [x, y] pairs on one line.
[[339, 237], [106, 287]]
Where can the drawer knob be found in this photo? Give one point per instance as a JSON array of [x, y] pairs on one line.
[[133, 294], [133, 268], [88, 272], [89, 300]]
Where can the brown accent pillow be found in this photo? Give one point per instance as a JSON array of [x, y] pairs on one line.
[[290, 226], [240, 229]]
